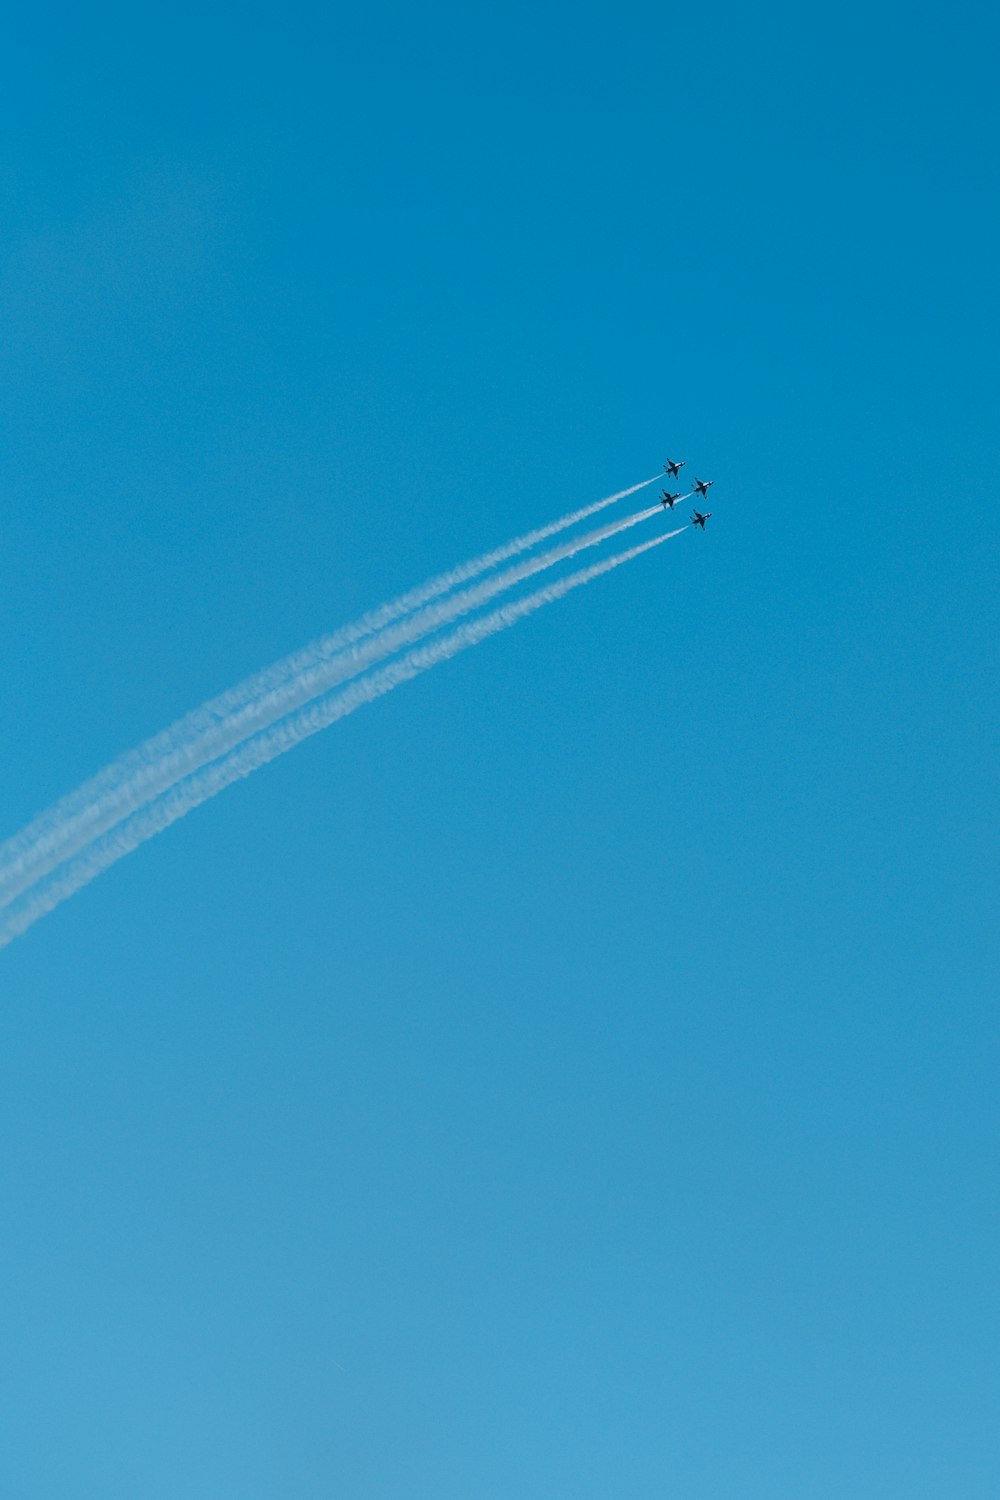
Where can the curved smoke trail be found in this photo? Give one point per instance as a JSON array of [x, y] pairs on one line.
[[69, 823], [284, 736], [124, 788]]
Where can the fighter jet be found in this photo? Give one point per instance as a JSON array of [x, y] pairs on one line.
[[702, 486], [667, 500], [673, 467], [699, 520]]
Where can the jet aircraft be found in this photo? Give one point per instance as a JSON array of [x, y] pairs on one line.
[[702, 486], [673, 467], [667, 500], [699, 520]]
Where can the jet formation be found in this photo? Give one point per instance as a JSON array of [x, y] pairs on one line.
[[672, 468]]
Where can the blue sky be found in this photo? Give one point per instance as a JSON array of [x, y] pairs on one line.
[[575, 1074]]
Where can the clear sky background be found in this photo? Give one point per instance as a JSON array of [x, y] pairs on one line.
[[575, 1075]]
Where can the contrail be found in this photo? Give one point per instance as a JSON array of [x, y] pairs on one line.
[[77, 808], [124, 786], [283, 736]]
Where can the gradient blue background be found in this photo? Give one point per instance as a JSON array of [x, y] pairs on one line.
[[576, 1074]]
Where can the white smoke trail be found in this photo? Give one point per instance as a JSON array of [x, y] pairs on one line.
[[123, 793], [283, 736], [76, 809]]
